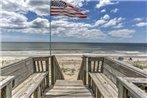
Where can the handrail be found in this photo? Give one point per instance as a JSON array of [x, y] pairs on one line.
[[56, 73], [126, 88], [82, 71], [90, 64], [114, 62], [113, 69]]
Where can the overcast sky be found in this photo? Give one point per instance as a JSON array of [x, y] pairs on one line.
[[108, 21]]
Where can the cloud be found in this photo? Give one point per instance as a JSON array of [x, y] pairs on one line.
[[76, 29], [103, 3], [103, 10], [106, 17], [123, 33], [13, 6], [115, 23], [99, 22], [106, 22], [12, 20], [40, 7], [141, 24], [39, 23], [138, 19], [114, 10], [63, 27], [78, 3]]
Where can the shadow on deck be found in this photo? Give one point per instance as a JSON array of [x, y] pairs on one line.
[[68, 89]]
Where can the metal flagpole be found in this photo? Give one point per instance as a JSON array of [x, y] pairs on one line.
[[50, 30]]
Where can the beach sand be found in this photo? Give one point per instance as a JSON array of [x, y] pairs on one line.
[[6, 60], [70, 66]]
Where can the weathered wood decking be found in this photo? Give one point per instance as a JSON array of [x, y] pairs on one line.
[[68, 89], [99, 77], [101, 74]]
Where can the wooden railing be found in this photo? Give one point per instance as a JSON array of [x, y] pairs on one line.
[[128, 89], [90, 64], [56, 73], [112, 69], [82, 71], [41, 64], [6, 86], [26, 68]]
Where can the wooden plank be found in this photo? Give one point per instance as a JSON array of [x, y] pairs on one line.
[[41, 58], [110, 82], [38, 66], [26, 88], [98, 64], [5, 80], [21, 70], [100, 86], [42, 69], [94, 64], [6, 86], [89, 65], [107, 84], [136, 80], [126, 69], [66, 82], [103, 85], [134, 90], [69, 89], [111, 73]]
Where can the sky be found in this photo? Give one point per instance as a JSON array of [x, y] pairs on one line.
[[121, 21]]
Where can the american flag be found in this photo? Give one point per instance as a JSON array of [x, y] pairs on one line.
[[61, 8]]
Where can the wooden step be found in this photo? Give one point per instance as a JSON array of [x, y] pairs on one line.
[[68, 89]]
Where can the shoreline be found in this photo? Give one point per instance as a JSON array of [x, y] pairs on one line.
[[80, 53]]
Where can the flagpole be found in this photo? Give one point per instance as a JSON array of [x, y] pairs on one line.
[[50, 33]]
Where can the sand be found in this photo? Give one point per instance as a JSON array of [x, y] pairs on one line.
[[6, 60], [70, 66]]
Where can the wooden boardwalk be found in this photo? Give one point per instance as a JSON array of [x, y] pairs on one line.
[[42, 77], [68, 89]]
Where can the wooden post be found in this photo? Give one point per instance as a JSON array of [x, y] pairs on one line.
[[36, 93], [84, 72], [52, 71], [89, 64], [89, 70], [3, 92], [47, 69], [94, 64], [102, 66], [39, 92], [9, 90], [98, 94], [89, 81], [34, 66], [122, 91]]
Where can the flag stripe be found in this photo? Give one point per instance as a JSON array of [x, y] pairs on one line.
[[67, 14], [61, 8], [67, 11]]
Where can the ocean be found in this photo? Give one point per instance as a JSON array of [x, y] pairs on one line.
[[72, 46]]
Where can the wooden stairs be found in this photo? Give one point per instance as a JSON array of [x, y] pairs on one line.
[[68, 89]]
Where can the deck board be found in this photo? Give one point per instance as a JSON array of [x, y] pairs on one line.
[[68, 89], [28, 86], [106, 87]]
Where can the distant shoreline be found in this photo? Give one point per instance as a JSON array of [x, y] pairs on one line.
[[82, 42], [99, 53]]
